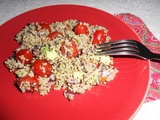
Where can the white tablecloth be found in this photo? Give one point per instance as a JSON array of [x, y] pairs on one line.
[[147, 10]]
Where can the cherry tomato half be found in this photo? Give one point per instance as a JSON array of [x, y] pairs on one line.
[[80, 28], [73, 47], [44, 26], [33, 81], [24, 56], [42, 68], [99, 37], [54, 35]]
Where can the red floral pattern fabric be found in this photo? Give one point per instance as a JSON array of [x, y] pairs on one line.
[[153, 44]]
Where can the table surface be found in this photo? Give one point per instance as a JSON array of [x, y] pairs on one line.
[[147, 10]]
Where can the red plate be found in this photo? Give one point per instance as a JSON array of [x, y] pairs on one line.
[[118, 100]]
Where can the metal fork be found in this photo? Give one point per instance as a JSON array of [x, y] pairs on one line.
[[126, 47]]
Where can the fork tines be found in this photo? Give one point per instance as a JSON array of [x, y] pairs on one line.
[[119, 47]]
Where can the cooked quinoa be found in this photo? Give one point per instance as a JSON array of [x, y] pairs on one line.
[[75, 74]]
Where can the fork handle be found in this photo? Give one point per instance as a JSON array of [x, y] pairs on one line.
[[155, 56]]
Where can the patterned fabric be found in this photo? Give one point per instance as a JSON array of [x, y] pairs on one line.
[[153, 44]]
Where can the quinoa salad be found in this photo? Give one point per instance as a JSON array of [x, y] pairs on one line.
[[60, 55]]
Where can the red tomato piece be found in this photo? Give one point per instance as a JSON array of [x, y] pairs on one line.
[[24, 56], [99, 37], [42, 68], [73, 47], [80, 28], [33, 81], [44, 26], [54, 35], [98, 64]]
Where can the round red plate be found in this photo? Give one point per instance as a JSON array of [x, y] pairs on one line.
[[118, 100]]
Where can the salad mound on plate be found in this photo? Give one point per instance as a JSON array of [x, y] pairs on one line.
[[60, 55]]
